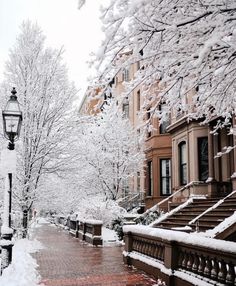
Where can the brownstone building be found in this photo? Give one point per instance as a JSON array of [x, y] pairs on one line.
[[178, 152], [158, 165]]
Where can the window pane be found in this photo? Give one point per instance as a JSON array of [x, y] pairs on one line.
[[150, 181], [165, 177], [165, 120], [184, 174], [138, 181], [126, 74], [126, 110], [138, 100], [203, 158], [183, 163], [183, 154], [163, 168]]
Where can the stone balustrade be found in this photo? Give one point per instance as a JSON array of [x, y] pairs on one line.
[[179, 258], [73, 227], [60, 220], [93, 232], [87, 230]]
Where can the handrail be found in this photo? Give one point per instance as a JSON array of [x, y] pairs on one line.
[[218, 203], [128, 197], [179, 191], [156, 206], [128, 200]]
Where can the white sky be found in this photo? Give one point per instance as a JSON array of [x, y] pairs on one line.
[[63, 25]]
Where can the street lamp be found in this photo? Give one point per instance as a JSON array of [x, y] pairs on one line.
[[12, 118]]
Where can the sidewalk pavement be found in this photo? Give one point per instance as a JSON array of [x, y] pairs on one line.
[[67, 261]]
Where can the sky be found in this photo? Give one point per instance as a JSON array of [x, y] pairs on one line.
[[63, 24]]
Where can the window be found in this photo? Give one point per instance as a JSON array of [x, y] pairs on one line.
[[138, 100], [203, 158], [165, 119], [149, 179], [165, 176], [183, 163], [138, 182], [149, 133], [125, 187], [138, 65], [180, 104], [126, 109], [126, 74]]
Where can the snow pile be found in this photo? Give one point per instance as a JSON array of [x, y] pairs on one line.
[[22, 271], [109, 237], [160, 283]]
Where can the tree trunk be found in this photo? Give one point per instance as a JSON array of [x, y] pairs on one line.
[[25, 223]]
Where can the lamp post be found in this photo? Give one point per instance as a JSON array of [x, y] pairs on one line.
[[12, 118]]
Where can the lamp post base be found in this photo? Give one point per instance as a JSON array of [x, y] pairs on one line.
[[6, 254]]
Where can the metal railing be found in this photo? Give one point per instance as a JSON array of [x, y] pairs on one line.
[[130, 201], [156, 207]]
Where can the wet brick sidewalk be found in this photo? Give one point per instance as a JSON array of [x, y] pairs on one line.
[[66, 261]]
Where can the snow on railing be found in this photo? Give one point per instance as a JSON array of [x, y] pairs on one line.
[[193, 183], [226, 223], [130, 201], [156, 207], [166, 215], [193, 221]]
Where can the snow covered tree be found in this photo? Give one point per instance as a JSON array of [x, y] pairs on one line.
[[46, 98], [108, 153], [184, 47]]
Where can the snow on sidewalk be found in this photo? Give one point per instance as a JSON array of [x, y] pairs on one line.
[[109, 237], [22, 271]]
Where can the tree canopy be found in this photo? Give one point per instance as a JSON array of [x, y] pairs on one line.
[[46, 97], [109, 153], [184, 46]]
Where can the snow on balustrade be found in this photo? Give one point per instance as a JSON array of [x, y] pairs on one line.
[[192, 254], [93, 222], [191, 238]]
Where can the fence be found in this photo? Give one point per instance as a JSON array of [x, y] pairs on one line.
[[179, 258], [87, 230]]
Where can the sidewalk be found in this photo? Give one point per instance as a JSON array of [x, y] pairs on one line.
[[66, 261]]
